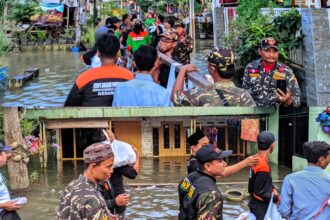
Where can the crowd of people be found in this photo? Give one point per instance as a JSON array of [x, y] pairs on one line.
[[99, 192], [125, 60]]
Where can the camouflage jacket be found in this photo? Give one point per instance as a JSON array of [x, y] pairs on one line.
[[199, 198], [200, 97], [262, 86], [80, 200], [183, 50]]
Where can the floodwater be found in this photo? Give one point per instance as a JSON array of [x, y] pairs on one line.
[[58, 71], [153, 194]]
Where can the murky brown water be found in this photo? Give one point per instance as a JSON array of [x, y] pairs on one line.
[[147, 202], [58, 71]]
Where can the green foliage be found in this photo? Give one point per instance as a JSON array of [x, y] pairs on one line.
[[68, 33], [28, 125], [287, 30], [249, 10], [89, 35], [41, 35], [22, 12], [4, 43], [34, 176], [251, 27]]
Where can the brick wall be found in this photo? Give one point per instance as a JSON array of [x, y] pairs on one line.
[[315, 25]]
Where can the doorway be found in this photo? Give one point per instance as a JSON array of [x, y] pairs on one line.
[[172, 139], [293, 132]]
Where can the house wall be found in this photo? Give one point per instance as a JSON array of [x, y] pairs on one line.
[[272, 126], [315, 27], [315, 133]]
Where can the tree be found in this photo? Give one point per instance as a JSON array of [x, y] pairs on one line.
[[18, 172]]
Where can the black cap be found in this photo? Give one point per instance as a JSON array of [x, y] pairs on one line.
[[265, 139], [267, 43], [195, 137], [209, 153], [5, 148]]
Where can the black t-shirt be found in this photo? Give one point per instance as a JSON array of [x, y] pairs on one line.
[[118, 184]]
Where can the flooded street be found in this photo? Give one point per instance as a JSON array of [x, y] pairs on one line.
[[153, 195], [58, 71]]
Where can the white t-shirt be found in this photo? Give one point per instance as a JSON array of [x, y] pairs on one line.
[[4, 193]]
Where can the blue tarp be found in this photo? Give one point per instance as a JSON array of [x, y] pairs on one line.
[[49, 6]]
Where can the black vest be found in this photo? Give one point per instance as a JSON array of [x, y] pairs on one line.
[[190, 188]]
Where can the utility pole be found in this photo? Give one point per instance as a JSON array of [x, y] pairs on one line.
[[94, 13], [192, 21], [215, 4]]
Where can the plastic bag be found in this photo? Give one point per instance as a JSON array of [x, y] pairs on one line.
[[272, 211], [123, 152], [246, 216]]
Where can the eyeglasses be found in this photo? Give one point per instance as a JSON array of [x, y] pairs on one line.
[[166, 40]]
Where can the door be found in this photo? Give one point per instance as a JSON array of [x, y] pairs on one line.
[[172, 139], [130, 132], [293, 132]]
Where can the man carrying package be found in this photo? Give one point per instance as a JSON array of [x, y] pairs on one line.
[[126, 164]]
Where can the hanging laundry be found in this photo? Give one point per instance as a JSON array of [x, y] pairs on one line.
[[249, 129]]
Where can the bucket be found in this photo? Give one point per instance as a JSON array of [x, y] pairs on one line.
[[235, 195], [75, 49]]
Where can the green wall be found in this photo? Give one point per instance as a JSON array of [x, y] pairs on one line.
[[315, 133], [272, 126]]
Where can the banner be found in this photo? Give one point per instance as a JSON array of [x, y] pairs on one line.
[[53, 13]]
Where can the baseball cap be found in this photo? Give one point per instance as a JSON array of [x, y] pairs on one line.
[[209, 153], [5, 148], [195, 137], [97, 152], [170, 34], [265, 139], [267, 43], [221, 59]]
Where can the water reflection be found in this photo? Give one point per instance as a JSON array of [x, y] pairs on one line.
[[58, 71], [156, 199]]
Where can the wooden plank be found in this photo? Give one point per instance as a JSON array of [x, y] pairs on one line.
[[195, 77], [77, 123]]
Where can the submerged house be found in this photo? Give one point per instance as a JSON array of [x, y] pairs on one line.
[[162, 132]]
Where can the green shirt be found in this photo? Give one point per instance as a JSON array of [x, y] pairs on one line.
[[134, 41], [149, 22]]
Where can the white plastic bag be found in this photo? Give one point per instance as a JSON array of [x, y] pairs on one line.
[[246, 216], [123, 152], [272, 211]]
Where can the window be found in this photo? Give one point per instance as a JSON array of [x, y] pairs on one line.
[[177, 136], [166, 133]]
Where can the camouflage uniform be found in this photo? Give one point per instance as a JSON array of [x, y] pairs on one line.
[[262, 86], [81, 200], [201, 97], [199, 198], [183, 50]]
